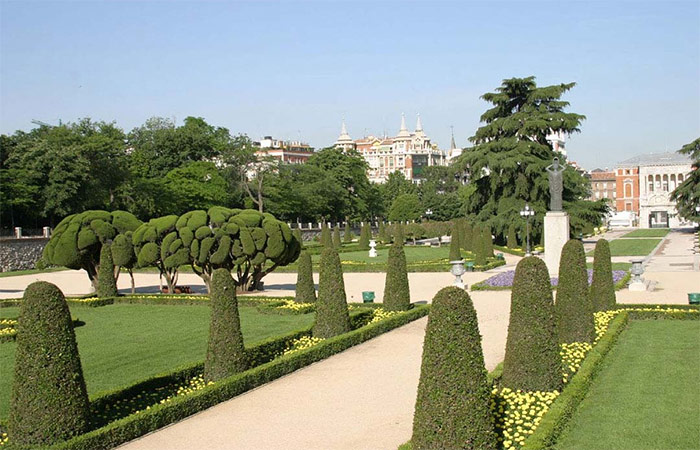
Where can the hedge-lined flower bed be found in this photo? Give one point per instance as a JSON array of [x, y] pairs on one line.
[[128, 413], [504, 281]]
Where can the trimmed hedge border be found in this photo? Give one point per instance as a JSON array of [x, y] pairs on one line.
[[563, 408], [178, 408]]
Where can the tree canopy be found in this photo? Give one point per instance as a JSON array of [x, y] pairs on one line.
[[687, 194], [510, 153]]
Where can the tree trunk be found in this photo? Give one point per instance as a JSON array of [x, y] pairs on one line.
[[133, 285]]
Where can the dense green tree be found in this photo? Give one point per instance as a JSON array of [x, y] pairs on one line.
[[414, 231], [405, 208], [226, 354], [573, 307], [510, 153], [454, 396], [602, 290], [49, 401], [438, 193], [395, 185], [197, 185], [332, 317], [512, 240], [305, 289], [77, 240], [123, 255], [154, 245], [397, 294], [532, 361], [687, 194]]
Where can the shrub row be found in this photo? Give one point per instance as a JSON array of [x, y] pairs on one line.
[[178, 408]]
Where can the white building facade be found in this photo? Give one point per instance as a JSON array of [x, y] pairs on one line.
[[659, 175], [407, 152]]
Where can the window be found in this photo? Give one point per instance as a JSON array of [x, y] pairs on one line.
[[628, 190]]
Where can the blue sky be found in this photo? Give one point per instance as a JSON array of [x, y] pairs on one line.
[[295, 69]]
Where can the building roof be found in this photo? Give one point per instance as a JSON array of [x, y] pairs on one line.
[[601, 175], [656, 159]]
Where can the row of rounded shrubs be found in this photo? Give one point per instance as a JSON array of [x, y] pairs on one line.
[[454, 397]]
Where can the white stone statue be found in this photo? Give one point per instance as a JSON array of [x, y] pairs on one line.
[[372, 249]]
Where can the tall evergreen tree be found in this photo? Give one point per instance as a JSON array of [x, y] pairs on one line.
[[510, 153], [512, 240], [687, 194]]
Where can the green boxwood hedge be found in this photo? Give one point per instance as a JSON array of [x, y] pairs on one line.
[[178, 408]]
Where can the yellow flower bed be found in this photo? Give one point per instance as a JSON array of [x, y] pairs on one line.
[[380, 314], [3, 438], [8, 331], [518, 413], [572, 356], [300, 308], [300, 344]]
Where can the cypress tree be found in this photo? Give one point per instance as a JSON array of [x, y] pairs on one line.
[[365, 237], [455, 254], [332, 316], [326, 239], [336, 238], [49, 401], [397, 295], [225, 352], [347, 234], [454, 396], [106, 283], [602, 288], [306, 291], [573, 307], [512, 241], [532, 361]]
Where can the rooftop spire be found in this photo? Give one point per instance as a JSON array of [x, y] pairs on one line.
[[452, 142], [344, 139], [419, 124], [403, 132]]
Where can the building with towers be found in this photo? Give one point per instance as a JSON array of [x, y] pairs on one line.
[[407, 152]]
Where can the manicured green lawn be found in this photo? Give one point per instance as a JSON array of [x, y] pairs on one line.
[[15, 273], [651, 232], [646, 395], [631, 247], [122, 344]]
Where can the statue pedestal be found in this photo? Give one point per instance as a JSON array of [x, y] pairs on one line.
[[556, 234]]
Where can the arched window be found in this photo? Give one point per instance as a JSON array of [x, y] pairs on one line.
[[658, 182], [650, 179], [664, 185], [628, 190], [672, 183]]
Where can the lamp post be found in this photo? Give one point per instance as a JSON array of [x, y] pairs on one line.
[[527, 212]]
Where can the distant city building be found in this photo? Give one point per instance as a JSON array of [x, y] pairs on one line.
[[652, 178], [603, 185], [558, 141], [289, 152], [407, 152]]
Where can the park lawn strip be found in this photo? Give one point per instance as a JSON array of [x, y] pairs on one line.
[[15, 273], [643, 397], [647, 233], [122, 344], [631, 247]]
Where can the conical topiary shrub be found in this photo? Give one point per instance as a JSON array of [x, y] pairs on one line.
[[454, 396], [383, 234], [326, 239], [306, 291], [397, 294], [399, 235], [365, 237], [49, 402], [455, 254], [336, 238], [512, 240], [468, 245], [488, 242], [573, 307], [106, 283], [532, 361], [347, 234], [297, 235], [480, 248], [225, 352], [602, 290], [332, 316]]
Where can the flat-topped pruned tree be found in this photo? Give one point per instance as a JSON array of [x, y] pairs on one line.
[[532, 361], [77, 240], [332, 317], [123, 255], [573, 307], [602, 290], [453, 407], [49, 401], [225, 351]]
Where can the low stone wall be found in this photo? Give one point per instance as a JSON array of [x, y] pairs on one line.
[[21, 254]]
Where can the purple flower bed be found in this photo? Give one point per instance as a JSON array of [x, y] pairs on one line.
[[505, 279]]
